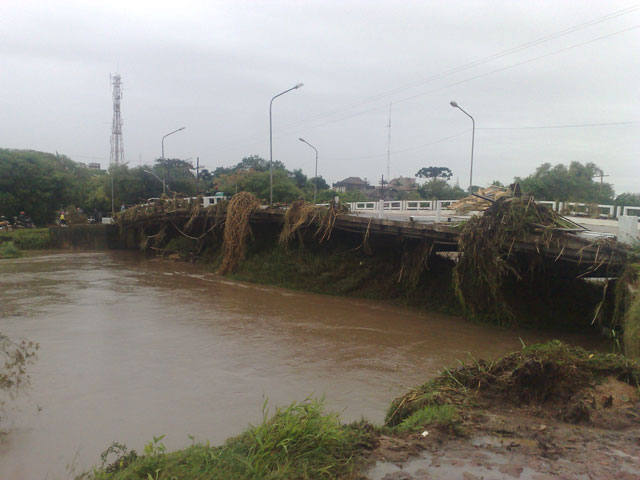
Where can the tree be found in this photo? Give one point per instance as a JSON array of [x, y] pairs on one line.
[[40, 183], [258, 183], [575, 183], [177, 173], [322, 183], [434, 172], [628, 200], [440, 189]]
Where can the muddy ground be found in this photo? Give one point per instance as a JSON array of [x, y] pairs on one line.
[[595, 436]]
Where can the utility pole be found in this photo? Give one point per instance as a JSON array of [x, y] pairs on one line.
[[389, 146], [197, 172], [601, 175]]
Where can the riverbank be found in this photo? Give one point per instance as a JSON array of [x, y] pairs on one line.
[[27, 238], [546, 412]]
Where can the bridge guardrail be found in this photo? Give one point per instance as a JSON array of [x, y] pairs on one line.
[[579, 208]]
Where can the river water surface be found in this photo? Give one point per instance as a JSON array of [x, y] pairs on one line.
[[131, 348]]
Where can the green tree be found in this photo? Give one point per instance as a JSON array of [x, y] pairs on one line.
[[628, 200], [574, 183], [40, 183], [434, 172], [178, 174], [439, 189]]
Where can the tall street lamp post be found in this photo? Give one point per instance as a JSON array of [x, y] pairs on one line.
[[164, 192], [454, 104], [298, 85], [315, 178], [161, 180]]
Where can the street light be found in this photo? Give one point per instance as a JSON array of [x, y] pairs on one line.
[[113, 167], [298, 85], [161, 180], [454, 104], [165, 167], [315, 178]]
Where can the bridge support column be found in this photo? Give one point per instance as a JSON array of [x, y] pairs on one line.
[[627, 229]]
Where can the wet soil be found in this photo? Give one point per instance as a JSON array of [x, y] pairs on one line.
[[596, 436]]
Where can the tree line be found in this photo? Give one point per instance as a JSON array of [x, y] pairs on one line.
[[41, 184]]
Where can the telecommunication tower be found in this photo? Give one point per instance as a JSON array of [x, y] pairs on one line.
[[117, 148]]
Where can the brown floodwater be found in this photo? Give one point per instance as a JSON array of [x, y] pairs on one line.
[[131, 348]]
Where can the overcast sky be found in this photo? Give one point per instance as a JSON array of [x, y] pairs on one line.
[[518, 67]]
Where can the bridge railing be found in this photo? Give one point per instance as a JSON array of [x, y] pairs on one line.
[[569, 208]]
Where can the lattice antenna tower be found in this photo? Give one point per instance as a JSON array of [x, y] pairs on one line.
[[117, 148]]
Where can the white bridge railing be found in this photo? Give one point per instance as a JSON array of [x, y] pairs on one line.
[[566, 208]]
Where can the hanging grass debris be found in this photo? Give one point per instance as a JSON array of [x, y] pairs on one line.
[[236, 230]]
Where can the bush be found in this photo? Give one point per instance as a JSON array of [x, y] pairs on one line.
[[28, 238], [9, 250], [298, 441]]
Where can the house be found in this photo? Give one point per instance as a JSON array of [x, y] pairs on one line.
[[350, 184], [403, 184]]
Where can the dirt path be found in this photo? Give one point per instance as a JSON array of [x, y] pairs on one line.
[[525, 443]]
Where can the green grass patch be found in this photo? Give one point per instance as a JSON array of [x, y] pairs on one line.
[[182, 245], [631, 327], [299, 441], [549, 372], [430, 415], [9, 250], [337, 268], [28, 238]]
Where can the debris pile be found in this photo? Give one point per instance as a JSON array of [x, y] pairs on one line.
[[302, 214], [552, 379], [236, 230], [486, 243], [480, 200]]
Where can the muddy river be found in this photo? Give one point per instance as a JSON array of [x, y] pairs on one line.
[[131, 348]]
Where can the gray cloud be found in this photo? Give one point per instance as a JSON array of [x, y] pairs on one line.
[[213, 66]]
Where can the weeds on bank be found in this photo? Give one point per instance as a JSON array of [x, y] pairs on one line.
[[9, 250], [27, 238], [299, 441], [431, 415], [552, 371]]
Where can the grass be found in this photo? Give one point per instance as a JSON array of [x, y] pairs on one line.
[[9, 250], [299, 441], [438, 415], [631, 327], [552, 371], [337, 268], [28, 238]]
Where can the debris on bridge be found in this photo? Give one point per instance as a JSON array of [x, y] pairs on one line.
[[236, 230], [515, 249], [480, 200], [510, 240], [302, 214]]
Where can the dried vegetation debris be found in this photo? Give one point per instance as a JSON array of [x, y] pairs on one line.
[[481, 200], [552, 379], [236, 230], [487, 251], [302, 214]]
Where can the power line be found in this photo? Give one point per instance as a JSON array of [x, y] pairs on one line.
[[498, 70], [577, 125], [296, 125], [416, 147], [481, 61]]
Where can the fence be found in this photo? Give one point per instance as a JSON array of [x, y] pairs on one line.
[[568, 208]]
